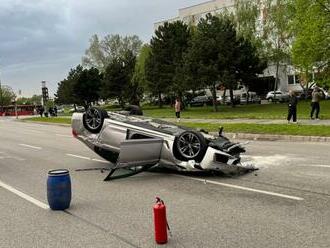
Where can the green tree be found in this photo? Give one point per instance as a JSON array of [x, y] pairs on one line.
[[162, 66], [86, 88], [246, 20], [276, 33], [65, 94], [23, 101], [101, 53], [7, 95], [82, 86], [267, 25], [212, 56], [248, 64], [34, 100], [118, 77], [311, 47], [139, 82]]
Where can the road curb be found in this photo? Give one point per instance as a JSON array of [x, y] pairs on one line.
[[273, 137]]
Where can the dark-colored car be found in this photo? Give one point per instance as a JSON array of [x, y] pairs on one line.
[[201, 101]]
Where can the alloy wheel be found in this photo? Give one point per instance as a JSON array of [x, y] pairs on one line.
[[189, 145]]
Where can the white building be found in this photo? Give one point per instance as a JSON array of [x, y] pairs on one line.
[[191, 15]]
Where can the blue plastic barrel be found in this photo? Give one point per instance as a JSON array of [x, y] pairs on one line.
[[59, 189]]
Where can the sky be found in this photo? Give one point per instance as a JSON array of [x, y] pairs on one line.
[[43, 39]]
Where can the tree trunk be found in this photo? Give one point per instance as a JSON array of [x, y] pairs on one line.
[[121, 102], [247, 97], [135, 99], [231, 92], [214, 97], [276, 79], [160, 102], [224, 96]]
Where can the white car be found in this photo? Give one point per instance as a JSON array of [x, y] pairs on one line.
[[277, 96], [78, 109], [136, 141]]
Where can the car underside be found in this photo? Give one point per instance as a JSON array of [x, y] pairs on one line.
[[136, 141]]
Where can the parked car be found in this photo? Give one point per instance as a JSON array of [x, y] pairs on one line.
[[278, 96], [60, 110], [201, 101], [253, 98], [78, 109], [138, 142], [236, 100]]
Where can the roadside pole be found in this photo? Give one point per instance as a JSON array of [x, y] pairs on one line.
[[1, 94], [16, 109]]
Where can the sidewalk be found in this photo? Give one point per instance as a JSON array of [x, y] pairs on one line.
[[251, 121]]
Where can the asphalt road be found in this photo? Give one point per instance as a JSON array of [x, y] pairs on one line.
[[284, 204]]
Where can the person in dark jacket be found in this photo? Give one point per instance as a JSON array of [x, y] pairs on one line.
[[292, 107]]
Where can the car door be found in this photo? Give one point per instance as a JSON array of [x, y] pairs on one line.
[[139, 152]]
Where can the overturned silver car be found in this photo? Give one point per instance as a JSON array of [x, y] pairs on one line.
[[140, 142]]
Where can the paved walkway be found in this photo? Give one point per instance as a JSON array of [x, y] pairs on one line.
[[255, 121]]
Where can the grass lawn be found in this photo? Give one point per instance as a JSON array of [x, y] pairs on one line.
[[283, 129], [252, 111], [61, 120]]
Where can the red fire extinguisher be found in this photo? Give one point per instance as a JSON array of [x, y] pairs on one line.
[[160, 221]]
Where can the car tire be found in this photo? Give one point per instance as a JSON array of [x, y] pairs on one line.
[[93, 119], [190, 145]]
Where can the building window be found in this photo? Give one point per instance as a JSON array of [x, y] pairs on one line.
[[293, 79], [290, 79]]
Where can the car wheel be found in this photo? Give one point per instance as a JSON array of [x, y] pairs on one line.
[[93, 119], [190, 145]]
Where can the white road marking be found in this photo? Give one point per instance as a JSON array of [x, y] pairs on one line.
[[33, 147], [24, 196], [10, 157], [78, 156], [63, 135], [316, 165], [246, 189], [4, 155], [87, 158]]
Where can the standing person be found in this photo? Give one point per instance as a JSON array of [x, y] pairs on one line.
[[41, 112], [55, 111], [292, 107], [177, 107], [316, 98]]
